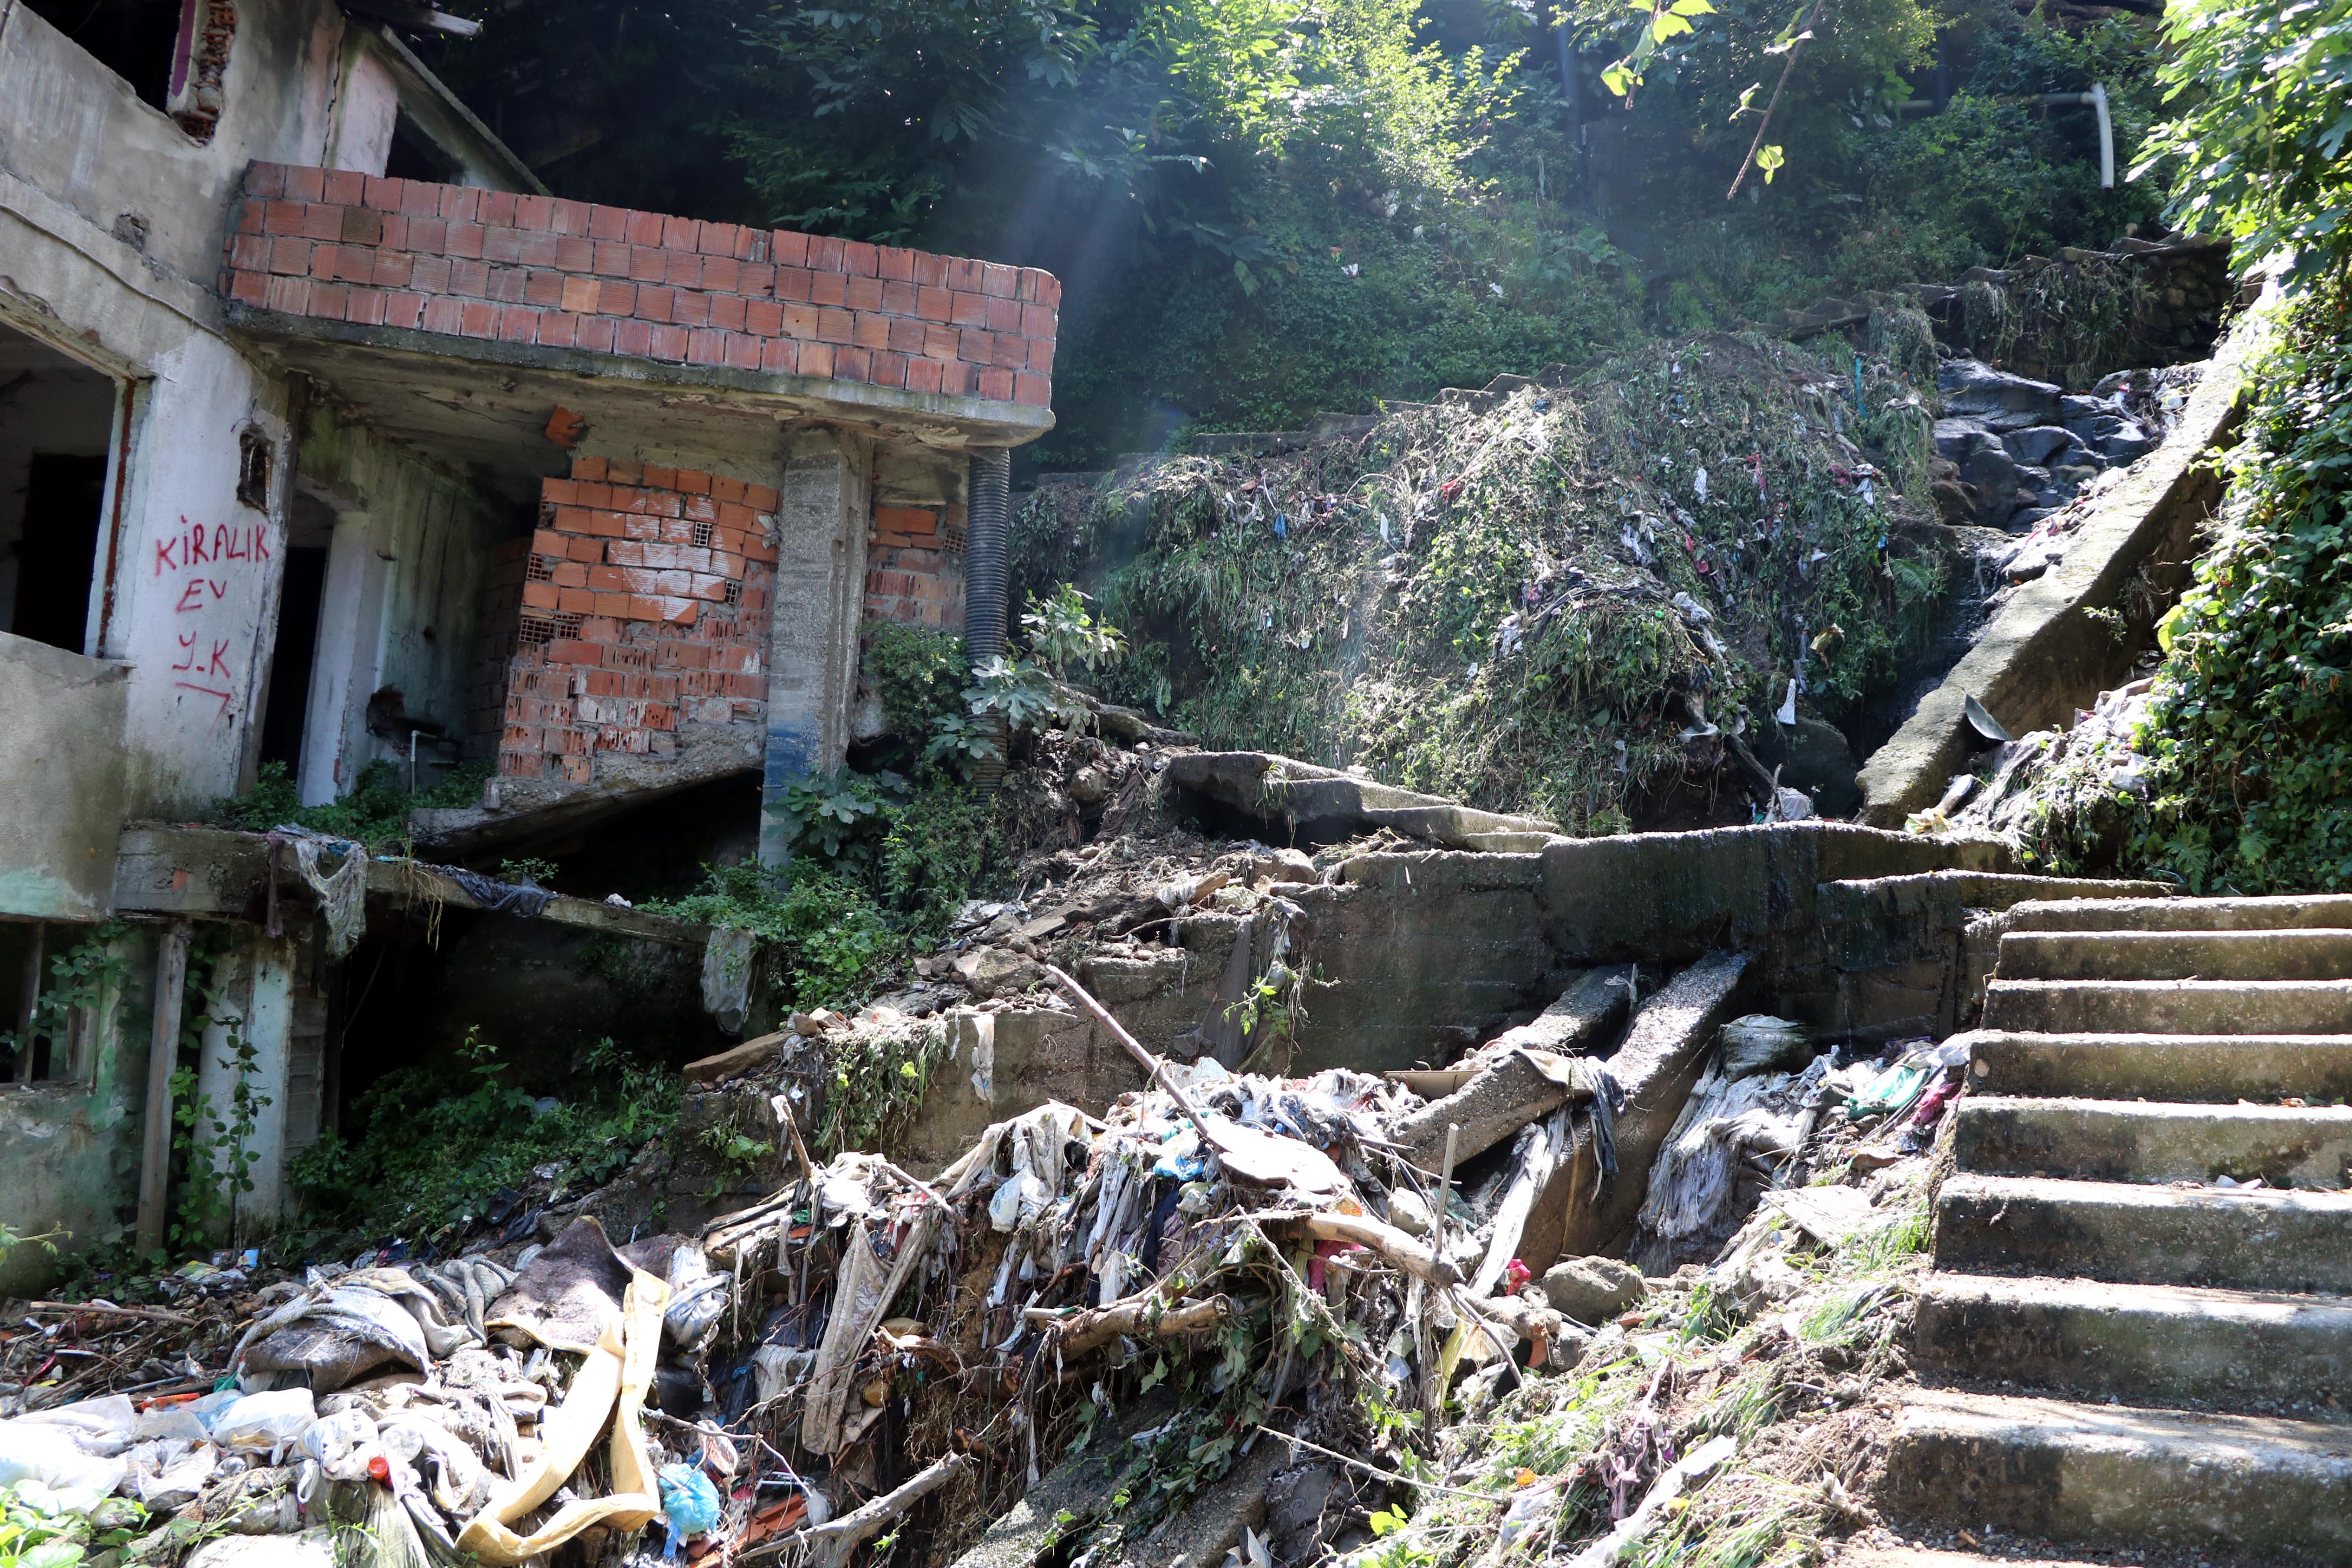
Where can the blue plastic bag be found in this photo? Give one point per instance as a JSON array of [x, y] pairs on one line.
[[689, 1502]]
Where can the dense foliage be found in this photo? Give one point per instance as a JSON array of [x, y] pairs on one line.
[[1552, 604], [428, 1147], [1265, 208], [2243, 778]]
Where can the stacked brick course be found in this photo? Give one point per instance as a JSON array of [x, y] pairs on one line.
[[336, 246], [914, 566], [644, 608]]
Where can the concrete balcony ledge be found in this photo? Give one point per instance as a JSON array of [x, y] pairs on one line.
[[329, 258]]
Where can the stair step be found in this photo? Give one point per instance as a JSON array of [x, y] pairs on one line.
[[2213, 1069], [1927, 1557], [2259, 1240], [2316, 953], [2170, 1006], [2151, 1141], [2139, 1342], [2181, 914], [2240, 1486]]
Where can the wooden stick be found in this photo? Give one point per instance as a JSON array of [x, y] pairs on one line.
[[1389, 1476], [1145, 1314], [152, 1314], [1787, 66], [1152, 1065], [1385, 1239], [831, 1544], [782, 1104]]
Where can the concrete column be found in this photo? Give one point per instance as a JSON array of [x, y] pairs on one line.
[[162, 1059], [256, 1005], [822, 523]]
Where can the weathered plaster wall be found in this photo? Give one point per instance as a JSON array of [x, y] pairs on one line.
[[74, 130], [62, 716], [69, 1151], [405, 573]]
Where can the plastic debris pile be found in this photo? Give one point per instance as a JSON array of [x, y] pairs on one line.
[[865, 1350]]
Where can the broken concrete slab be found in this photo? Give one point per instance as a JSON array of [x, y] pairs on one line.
[[1656, 1066], [1510, 1092], [741, 1059], [1304, 806]]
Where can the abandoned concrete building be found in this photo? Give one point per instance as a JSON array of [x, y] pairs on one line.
[[328, 439]]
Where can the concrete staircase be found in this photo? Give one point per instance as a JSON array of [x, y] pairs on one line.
[[2127, 1354]]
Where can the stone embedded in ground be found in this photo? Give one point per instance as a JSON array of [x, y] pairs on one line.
[[2043, 444], [1973, 390], [1594, 1290]]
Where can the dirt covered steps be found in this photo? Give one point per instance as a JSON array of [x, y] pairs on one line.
[[2157, 1343], [2170, 1006], [2235, 1486], [2314, 953], [2201, 1068], [2305, 1146], [2260, 1240]]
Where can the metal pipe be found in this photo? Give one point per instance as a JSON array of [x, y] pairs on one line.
[[2096, 100]]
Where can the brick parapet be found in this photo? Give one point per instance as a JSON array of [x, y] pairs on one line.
[[335, 246]]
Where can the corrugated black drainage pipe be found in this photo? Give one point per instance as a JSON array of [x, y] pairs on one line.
[[985, 573]]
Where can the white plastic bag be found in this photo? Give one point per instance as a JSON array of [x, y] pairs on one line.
[[32, 1451], [269, 1421], [101, 1426]]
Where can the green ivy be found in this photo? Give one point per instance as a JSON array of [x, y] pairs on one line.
[[375, 813], [431, 1143]]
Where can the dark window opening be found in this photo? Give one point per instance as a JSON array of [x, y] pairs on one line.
[[64, 496], [297, 650], [253, 468], [37, 1044], [415, 155], [138, 40], [56, 418]]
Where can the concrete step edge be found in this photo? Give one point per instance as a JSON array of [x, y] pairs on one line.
[[2303, 1148], [2245, 1486], [2097, 1339]]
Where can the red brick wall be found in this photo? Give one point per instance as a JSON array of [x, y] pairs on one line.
[[645, 607], [914, 566], [336, 246]]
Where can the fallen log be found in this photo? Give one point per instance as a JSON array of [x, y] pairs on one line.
[[1387, 1240], [1096, 1327]]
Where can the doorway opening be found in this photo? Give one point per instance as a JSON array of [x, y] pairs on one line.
[[56, 418], [310, 531]]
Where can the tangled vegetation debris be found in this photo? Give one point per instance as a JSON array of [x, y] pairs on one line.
[[1554, 601]]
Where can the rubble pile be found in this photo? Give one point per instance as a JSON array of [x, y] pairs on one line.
[[2027, 456], [1336, 1261]]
